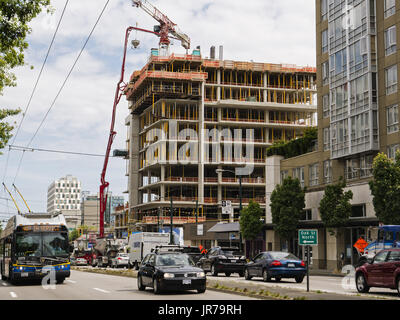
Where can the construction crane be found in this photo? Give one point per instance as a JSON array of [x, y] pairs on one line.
[[166, 30]]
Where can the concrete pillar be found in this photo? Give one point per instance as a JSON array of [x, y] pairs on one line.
[[273, 177], [218, 82], [265, 91], [162, 178], [201, 147], [133, 179]]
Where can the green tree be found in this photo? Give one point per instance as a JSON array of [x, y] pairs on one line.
[[15, 16], [73, 235], [385, 188], [287, 205], [250, 223], [335, 207]]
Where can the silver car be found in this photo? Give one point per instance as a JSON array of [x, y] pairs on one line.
[[121, 260]]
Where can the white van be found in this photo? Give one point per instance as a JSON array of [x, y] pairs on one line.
[[141, 243]]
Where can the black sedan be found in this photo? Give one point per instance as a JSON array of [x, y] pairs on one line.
[[223, 260], [276, 265], [170, 271]]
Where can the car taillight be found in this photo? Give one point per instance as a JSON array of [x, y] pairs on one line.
[[276, 263], [303, 264], [119, 258]]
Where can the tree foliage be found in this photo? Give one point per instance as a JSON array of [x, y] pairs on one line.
[[287, 205], [335, 207], [15, 16], [73, 235], [250, 221], [295, 147], [385, 189]]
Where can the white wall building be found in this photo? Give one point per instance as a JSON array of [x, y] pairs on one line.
[[64, 195]]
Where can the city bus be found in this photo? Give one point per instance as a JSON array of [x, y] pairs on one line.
[[33, 244]]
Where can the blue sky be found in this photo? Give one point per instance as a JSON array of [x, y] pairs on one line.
[[269, 31]]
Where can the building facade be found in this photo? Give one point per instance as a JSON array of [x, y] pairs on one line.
[[357, 66], [197, 125], [64, 195]]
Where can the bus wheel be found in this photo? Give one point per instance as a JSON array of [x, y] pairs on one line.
[[60, 280]]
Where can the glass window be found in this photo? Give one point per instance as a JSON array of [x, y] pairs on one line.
[[324, 41], [381, 256], [392, 119], [392, 149], [298, 173], [390, 8], [325, 73], [283, 256], [327, 139], [306, 215], [394, 256], [55, 244], [326, 106], [358, 211], [390, 40], [284, 175], [313, 175], [174, 260], [324, 10], [391, 79], [327, 171], [28, 245]]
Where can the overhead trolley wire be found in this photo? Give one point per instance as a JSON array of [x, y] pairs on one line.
[[62, 87], [36, 84]]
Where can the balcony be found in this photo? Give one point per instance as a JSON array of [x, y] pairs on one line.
[[175, 220]]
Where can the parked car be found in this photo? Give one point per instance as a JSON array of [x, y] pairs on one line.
[[223, 260], [121, 260], [81, 262], [192, 252], [170, 271], [381, 271], [276, 265]]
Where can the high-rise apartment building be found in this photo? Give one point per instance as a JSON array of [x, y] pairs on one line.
[[197, 125], [64, 195], [357, 67]]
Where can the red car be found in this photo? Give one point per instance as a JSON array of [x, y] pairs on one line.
[[382, 271]]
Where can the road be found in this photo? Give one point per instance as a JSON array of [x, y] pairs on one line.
[[92, 286], [338, 285]]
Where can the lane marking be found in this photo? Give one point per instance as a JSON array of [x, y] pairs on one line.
[[71, 281], [4, 283], [101, 290], [13, 294]]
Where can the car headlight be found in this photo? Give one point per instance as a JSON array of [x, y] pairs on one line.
[[200, 274], [169, 275], [21, 268]]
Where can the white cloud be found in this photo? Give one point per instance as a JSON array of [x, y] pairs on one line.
[[259, 30]]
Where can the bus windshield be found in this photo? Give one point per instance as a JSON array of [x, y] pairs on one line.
[[42, 244]]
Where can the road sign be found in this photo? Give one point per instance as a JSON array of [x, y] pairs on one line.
[[227, 207], [308, 237], [360, 245]]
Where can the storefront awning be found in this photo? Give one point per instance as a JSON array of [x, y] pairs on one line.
[[225, 227]]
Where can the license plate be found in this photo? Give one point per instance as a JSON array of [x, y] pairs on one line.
[[187, 281], [234, 261], [291, 265], [24, 274]]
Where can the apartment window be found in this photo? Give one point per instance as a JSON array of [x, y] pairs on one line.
[[391, 79], [327, 139], [366, 166], [352, 168], [392, 149], [299, 174], [324, 35], [390, 8], [324, 10], [306, 215], [390, 40], [325, 73], [313, 175], [284, 175], [327, 171], [358, 211], [326, 106], [392, 119]]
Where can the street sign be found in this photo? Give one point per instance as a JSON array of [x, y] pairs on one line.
[[360, 245], [308, 237], [227, 207]]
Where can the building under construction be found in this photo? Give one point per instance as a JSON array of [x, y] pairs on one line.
[[195, 121]]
